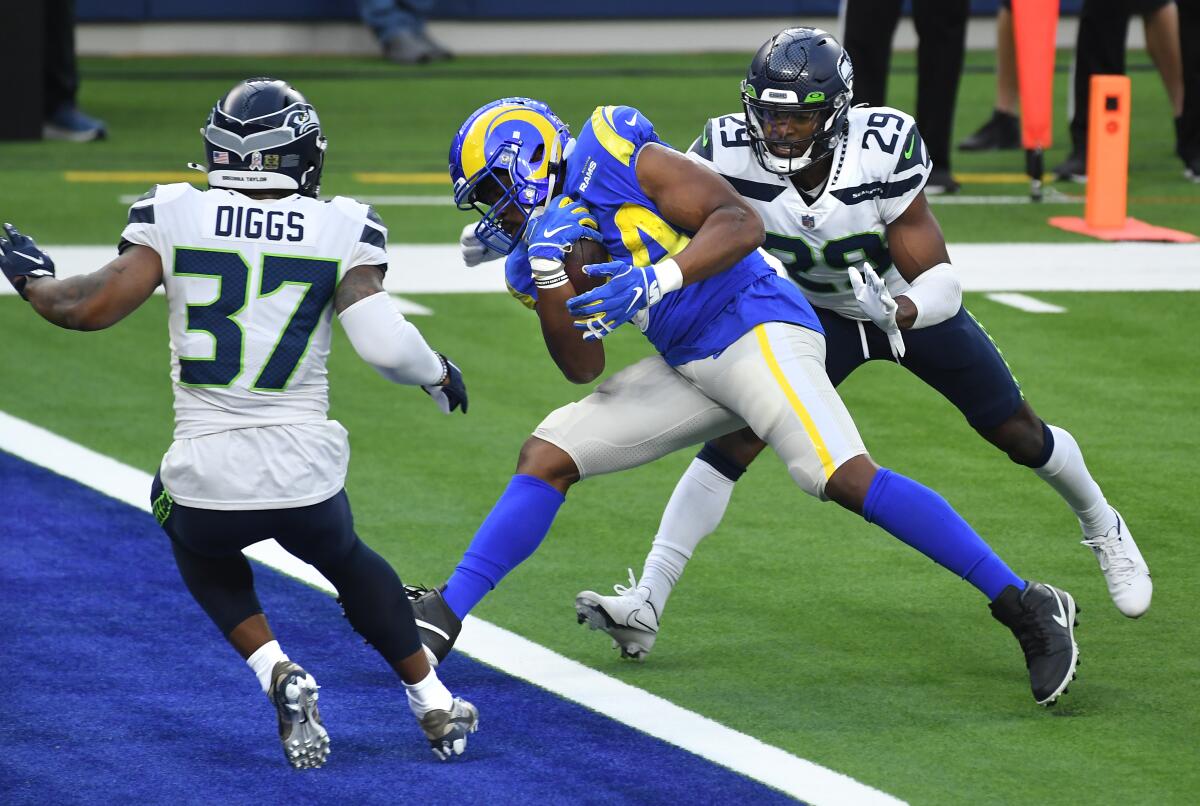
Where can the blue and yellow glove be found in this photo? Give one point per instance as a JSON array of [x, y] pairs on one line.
[[629, 290], [20, 259], [549, 238]]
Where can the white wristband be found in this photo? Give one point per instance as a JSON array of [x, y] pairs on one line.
[[936, 293], [669, 275], [548, 273]]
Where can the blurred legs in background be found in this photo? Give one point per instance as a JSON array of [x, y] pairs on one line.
[[1188, 133], [941, 45], [62, 118], [1002, 131], [399, 25], [1100, 50]]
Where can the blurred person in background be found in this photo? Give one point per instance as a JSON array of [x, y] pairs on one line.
[[1100, 50], [1002, 131], [1188, 131], [941, 44], [399, 25], [63, 119]]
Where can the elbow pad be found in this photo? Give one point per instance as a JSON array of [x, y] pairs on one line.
[[387, 341], [936, 294]]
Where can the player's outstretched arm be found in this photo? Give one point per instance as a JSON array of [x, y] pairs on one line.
[[918, 249], [87, 302], [700, 200], [387, 341]]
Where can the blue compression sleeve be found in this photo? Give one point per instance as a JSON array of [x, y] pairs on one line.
[[921, 518], [511, 532]]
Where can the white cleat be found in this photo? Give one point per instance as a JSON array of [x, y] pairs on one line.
[[294, 695], [1124, 570], [628, 617]]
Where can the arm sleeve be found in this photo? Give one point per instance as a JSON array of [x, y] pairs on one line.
[[387, 341], [907, 178]]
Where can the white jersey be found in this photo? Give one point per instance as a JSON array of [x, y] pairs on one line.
[[249, 286], [876, 171]]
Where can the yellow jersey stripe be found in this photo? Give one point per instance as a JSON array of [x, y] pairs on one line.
[[810, 427], [613, 143]]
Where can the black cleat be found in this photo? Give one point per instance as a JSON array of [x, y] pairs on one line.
[[1002, 132], [1072, 169], [436, 622], [1042, 618], [940, 182]]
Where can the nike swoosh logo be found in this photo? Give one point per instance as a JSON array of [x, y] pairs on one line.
[[31, 258], [425, 625], [912, 141], [550, 233], [1061, 618], [632, 120], [637, 294]]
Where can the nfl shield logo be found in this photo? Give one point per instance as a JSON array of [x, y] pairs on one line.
[[808, 221], [256, 161]]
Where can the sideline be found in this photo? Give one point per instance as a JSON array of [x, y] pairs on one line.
[[487, 643], [985, 267]]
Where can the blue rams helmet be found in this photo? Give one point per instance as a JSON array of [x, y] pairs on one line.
[[264, 135], [506, 156], [800, 76]]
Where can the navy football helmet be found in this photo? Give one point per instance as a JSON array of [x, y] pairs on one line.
[[797, 95], [505, 158], [264, 135]]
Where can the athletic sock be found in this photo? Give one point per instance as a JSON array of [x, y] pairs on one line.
[[428, 695], [263, 660], [920, 517], [1065, 471], [695, 510], [511, 532]]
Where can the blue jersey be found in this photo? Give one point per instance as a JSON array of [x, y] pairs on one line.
[[701, 319]]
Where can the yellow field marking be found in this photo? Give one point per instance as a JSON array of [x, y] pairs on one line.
[[131, 176], [991, 179], [386, 178]]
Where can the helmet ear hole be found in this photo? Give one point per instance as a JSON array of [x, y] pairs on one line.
[[538, 153]]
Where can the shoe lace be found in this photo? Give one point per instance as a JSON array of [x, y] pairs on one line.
[[621, 590], [1115, 562], [414, 592], [1032, 635]]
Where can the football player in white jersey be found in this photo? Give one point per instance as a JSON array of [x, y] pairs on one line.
[[839, 187], [253, 270]]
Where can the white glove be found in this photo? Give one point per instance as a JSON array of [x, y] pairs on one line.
[[877, 303], [474, 252]]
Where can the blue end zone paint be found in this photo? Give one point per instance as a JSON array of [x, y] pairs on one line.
[[118, 689]]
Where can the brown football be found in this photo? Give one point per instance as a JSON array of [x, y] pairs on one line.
[[583, 253]]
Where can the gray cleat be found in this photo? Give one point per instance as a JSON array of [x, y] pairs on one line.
[[447, 730], [294, 694]]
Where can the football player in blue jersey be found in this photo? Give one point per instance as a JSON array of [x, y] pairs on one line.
[[738, 346], [851, 190]]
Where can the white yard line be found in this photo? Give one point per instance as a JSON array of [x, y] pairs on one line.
[[1025, 303], [438, 269], [506, 651]]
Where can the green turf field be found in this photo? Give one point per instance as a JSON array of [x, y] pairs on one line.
[[795, 623], [401, 120]]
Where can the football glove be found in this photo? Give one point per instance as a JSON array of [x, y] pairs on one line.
[[451, 394], [877, 303], [629, 291], [20, 258], [549, 238], [473, 250]]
